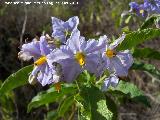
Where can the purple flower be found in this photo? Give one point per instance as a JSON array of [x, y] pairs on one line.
[[112, 80], [138, 9], [61, 29], [78, 55], [152, 6], [149, 6], [134, 6], [38, 50], [117, 62]]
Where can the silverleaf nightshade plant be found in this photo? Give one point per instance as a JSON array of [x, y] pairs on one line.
[[75, 55]]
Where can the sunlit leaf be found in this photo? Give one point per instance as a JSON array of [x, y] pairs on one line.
[[93, 104], [150, 21], [49, 96], [133, 92], [67, 103], [137, 37], [16, 79], [127, 19], [7, 105]]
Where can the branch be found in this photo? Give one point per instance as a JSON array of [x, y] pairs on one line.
[[23, 30]]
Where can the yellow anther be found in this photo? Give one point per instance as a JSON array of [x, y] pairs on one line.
[[141, 11], [80, 58], [110, 53], [57, 86], [40, 61]]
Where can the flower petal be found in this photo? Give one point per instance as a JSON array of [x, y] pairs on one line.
[[96, 45], [40, 73], [70, 70], [59, 54], [112, 80], [40, 76], [72, 23], [31, 49], [60, 27], [74, 42], [106, 85], [44, 47], [134, 6], [57, 24], [25, 56], [45, 79], [106, 60], [93, 64], [118, 67], [126, 58], [45, 75], [55, 78], [35, 70]]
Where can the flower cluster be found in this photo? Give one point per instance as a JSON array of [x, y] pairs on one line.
[[73, 55], [148, 7]]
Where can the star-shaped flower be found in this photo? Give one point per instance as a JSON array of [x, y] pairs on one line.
[[78, 55], [38, 50], [63, 30], [117, 62]]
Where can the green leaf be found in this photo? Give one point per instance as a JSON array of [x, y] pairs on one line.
[[150, 21], [93, 104], [146, 53], [65, 106], [125, 29], [86, 78], [112, 107], [16, 79], [128, 88], [49, 96], [133, 92], [7, 105], [137, 37], [127, 19], [137, 65], [52, 115]]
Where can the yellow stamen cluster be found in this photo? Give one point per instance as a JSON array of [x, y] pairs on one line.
[[40, 61], [80, 58], [110, 53], [57, 86], [141, 11]]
